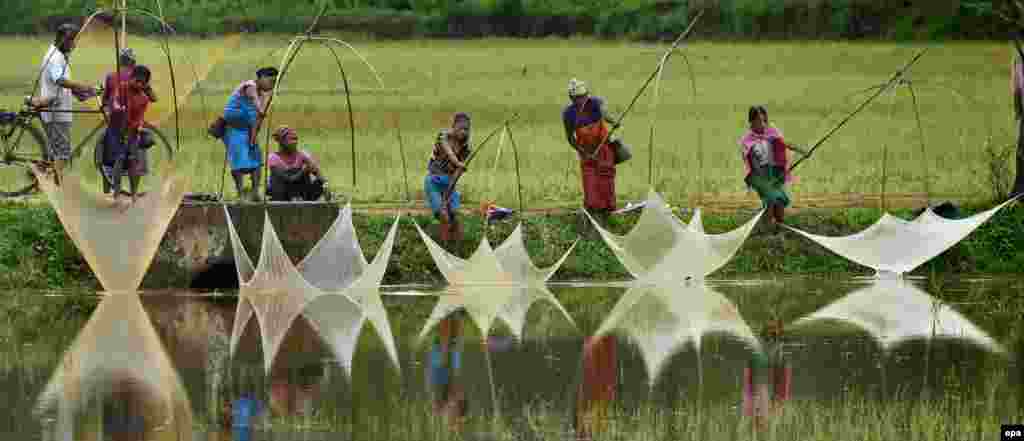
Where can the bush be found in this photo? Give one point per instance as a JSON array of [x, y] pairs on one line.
[[614, 18]]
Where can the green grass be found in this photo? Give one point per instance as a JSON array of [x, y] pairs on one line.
[[807, 87]]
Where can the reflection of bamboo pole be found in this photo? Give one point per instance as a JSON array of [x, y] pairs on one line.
[[885, 378], [490, 378]]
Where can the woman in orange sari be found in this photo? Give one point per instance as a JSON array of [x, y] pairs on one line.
[[586, 132]]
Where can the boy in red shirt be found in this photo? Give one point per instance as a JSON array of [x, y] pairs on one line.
[[132, 158]]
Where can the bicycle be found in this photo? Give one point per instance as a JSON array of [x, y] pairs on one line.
[[18, 154]]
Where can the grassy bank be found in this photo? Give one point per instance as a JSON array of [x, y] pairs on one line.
[[36, 253]]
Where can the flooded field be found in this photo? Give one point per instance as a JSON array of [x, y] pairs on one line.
[[757, 359]]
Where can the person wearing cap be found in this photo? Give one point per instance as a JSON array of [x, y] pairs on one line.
[[114, 141], [451, 149], [245, 109], [293, 172], [55, 91], [586, 132], [131, 158]]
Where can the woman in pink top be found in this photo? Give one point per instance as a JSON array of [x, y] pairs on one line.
[[294, 175], [764, 153]]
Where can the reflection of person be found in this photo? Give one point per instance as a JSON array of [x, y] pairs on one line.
[[445, 364], [294, 391], [242, 115], [597, 391], [245, 410], [766, 382], [124, 412], [294, 173]]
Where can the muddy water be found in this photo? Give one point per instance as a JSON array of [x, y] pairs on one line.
[[536, 382]]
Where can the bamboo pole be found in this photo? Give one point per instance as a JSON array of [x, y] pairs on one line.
[[888, 85]]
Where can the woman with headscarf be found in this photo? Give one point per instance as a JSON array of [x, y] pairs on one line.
[[447, 159], [246, 107], [585, 130], [764, 154], [293, 172]]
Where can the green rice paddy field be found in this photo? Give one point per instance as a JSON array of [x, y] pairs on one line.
[[962, 90]]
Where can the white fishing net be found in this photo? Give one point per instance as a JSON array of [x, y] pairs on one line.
[[118, 241], [333, 286], [662, 247], [514, 258], [894, 245], [661, 319], [895, 310], [119, 347], [487, 289]]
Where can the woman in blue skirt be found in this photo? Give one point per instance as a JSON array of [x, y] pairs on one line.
[[243, 113]]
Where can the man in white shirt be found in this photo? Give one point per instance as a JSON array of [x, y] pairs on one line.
[[55, 91]]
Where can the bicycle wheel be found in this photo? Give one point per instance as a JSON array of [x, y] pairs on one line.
[[160, 151], [21, 144]]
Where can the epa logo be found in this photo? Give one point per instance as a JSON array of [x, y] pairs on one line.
[[1013, 432]]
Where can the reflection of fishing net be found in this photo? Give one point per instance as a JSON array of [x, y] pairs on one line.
[[661, 247], [894, 311], [118, 355], [491, 284], [333, 286], [898, 246], [118, 243], [661, 319]]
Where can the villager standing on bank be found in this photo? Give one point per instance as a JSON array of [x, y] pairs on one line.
[[447, 159], [294, 173], [55, 91], [130, 155], [113, 139], [243, 113], [764, 154], [585, 131]]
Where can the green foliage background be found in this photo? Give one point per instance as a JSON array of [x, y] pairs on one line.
[[880, 19]]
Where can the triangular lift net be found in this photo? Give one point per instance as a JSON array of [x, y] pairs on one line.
[[662, 318], [492, 284], [897, 246], [895, 310], [333, 286], [118, 347], [118, 243], [662, 245]]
